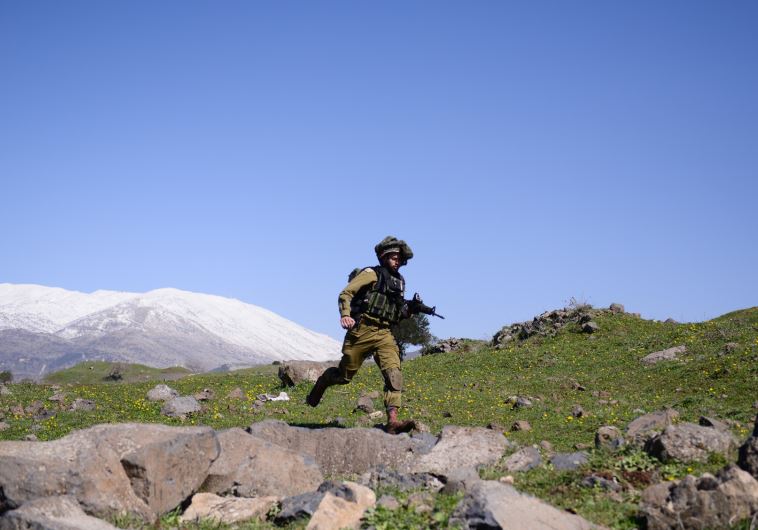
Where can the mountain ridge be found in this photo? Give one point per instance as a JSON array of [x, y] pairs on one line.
[[163, 327]]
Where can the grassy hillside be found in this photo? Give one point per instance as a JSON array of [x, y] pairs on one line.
[[93, 372], [601, 372]]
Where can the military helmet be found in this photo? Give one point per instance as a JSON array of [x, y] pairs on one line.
[[393, 244]]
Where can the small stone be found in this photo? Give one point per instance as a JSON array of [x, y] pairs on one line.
[[237, 393], [376, 414], [546, 447], [582, 446], [162, 393], [590, 327], [731, 347], [496, 426], [365, 404], [577, 411], [389, 502], [568, 461], [58, 397], [82, 404], [30, 438], [609, 438], [522, 403], [507, 479], [578, 387], [616, 308], [521, 425], [205, 394], [4, 426]]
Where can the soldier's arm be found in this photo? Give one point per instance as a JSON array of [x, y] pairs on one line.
[[361, 280]]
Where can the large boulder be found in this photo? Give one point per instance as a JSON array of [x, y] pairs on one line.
[[52, 513], [341, 451], [704, 502], [141, 469], [293, 373], [463, 447], [669, 354], [491, 504], [180, 407], [641, 429], [687, 442], [249, 466]]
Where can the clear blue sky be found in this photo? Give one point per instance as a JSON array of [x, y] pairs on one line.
[[529, 152]]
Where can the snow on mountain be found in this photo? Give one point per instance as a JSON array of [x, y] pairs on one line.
[[40, 308], [164, 327]]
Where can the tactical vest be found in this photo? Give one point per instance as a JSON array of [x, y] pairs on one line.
[[382, 300]]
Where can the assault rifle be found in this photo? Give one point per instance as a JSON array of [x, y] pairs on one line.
[[416, 305]]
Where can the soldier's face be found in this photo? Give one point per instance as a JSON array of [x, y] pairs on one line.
[[392, 261]]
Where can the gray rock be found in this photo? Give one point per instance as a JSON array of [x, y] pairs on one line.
[[385, 477], [705, 502], [80, 404], [236, 393], [248, 466], [706, 421], [162, 393], [140, 469], [597, 481], [365, 404], [641, 429], [389, 502], [523, 460], [748, 453], [227, 510], [180, 407], [4, 426], [617, 308], [301, 506], [343, 509], [293, 373], [444, 346], [460, 479], [205, 394], [590, 327], [522, 403], [463, 447], [521, 425], [731, 347], [669, 354], [491, 505], [52, 513], [568, 461], [687, 442], [341, 451], [577, 411], [748, 456], [609, 438]]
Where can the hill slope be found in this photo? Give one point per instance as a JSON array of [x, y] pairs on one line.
[[601, 372]]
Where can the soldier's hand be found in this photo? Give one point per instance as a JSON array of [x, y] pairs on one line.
[[347, 322]]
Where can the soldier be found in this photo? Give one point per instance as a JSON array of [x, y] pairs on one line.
[[370, 304]]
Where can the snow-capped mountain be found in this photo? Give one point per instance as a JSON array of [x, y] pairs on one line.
[[43, 329]]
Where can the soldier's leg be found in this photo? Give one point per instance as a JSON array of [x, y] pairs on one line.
[[353, 351], [388, 358]]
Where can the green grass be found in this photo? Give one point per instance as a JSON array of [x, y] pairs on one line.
[[93, 372], [473, 388]]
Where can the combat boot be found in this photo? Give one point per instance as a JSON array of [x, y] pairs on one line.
[[322, 383], [396, 427]]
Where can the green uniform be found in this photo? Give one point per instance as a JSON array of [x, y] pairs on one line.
[[370, 336]]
